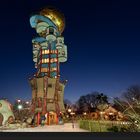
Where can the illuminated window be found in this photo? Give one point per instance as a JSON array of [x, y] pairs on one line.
[[53, 60], [53, 69], [45, 60], [44, 70], [52, 51], [43, 51], [46, 52]]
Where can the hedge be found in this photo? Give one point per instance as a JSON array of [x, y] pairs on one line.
[[99, 126]]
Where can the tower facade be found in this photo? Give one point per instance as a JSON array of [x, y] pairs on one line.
[[49, 51]]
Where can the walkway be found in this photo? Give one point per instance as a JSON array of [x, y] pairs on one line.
[[67, 127]]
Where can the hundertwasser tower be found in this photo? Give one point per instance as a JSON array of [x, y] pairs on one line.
[[49, 51]]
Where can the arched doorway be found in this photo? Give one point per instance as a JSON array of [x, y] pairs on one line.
[[52, 118], [1, 119]]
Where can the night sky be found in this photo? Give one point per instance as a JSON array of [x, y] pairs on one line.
[[103, 39]]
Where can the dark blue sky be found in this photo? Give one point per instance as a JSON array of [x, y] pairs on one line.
[[103, 39]]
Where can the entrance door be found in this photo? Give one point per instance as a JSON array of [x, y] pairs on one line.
[[52, 118], [1, 119]]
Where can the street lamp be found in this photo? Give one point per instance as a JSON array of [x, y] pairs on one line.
[[72, 113], [101, 115], [27, 102], [18, 100], [84, 113], [20, 107], [69, 110]]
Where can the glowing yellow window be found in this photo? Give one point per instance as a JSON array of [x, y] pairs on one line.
[[47, 60], [55, 59], [44, 70], [46, 51], [43, 51], [54, 69], [43, 60], [52, 60]]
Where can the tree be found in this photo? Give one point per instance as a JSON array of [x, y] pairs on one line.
[[22, 110], [67, 103], [119, 104], [89, 102], [132, 94], [102, 102], [130, 106], [101, 98]]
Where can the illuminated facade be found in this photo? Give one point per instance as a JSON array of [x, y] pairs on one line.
[[49, 51]]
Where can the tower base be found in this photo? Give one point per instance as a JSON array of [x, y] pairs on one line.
[[47, 100]]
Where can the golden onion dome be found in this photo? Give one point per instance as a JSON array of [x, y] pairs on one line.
[[55, 16]]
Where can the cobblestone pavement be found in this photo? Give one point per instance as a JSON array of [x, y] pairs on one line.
[[67, 127]]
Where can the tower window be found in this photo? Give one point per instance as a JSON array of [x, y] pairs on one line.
[[51, 31], [63, 53], [50, 85], [60, 41]]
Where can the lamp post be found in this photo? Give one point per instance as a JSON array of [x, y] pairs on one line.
[[18, 100], [20, 107], [69, 110]]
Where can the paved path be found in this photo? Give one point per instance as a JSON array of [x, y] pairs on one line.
[[67, 127]]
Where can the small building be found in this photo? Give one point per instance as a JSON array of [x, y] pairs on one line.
[[110, 113]]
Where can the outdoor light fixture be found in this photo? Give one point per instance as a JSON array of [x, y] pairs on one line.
[[19, 101], [85, 113], [20, 107], [72, 113], [111, 113], [69, 110], [27, 102]]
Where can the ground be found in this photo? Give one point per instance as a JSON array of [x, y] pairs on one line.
[[67, 127]]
